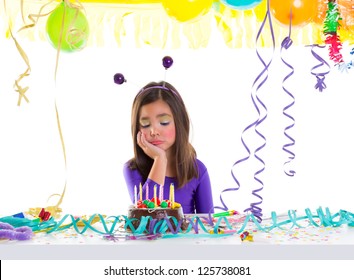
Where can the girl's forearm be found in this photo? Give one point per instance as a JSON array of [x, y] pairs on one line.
[[158, 170]]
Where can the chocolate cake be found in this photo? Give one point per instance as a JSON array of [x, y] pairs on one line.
[[157, 214]]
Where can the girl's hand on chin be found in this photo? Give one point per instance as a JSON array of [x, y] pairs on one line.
[[149, 149]]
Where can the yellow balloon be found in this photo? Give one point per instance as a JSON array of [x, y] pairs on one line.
[[187, 10], [261, 11]]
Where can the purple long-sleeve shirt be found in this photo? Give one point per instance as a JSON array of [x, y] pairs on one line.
[[195, 196]]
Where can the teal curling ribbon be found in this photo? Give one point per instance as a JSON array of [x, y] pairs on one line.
[[169, 227], [326, 219], [87, 224]]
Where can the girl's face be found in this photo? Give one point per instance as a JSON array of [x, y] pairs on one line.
[[156, 122]]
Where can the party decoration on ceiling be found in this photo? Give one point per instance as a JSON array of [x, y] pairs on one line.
[[300, 12], [155, 27], [187, 10], [133, 2], [260, 10], [331, 25], [241, 4], [320, 13], [67, 27], [346, 8], [350, 63]]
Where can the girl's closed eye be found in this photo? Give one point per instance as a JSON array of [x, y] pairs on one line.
[[165, 120], [144, 124], [165, 123]]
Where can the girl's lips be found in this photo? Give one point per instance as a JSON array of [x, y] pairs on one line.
[[156, 142]]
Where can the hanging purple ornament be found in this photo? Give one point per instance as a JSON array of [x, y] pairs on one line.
[[167, 62], [119, 79]]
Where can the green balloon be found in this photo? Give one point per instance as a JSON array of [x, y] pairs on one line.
[[74, 31]]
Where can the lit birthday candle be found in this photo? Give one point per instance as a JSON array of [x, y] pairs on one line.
[[141, 192], [135, 196]]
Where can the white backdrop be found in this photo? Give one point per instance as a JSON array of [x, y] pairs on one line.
[[216, 84]]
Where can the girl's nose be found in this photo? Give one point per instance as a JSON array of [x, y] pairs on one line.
[[154, 131]]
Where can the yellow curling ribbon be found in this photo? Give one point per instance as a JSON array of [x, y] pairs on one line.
[[18, 88], [75, 34], [84, 220], [34, 17], [54, 210]]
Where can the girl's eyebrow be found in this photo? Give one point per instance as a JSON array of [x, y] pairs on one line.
[[159, 116], [163, 115]]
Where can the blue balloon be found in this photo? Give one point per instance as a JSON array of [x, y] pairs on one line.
[[241, 4]]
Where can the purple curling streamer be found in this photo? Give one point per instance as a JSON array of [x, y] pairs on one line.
[[320, 76], [287, 42], [254, 208]]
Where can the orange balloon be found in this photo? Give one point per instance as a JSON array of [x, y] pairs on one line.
[[301, 12], [346, 9], [322, 8]]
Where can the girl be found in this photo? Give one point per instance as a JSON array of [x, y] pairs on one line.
[[162, 152]]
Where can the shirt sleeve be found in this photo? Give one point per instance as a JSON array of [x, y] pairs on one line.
[[204, 198], [133, 178]]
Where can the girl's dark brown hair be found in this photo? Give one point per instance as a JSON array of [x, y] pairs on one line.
[[185, 155]]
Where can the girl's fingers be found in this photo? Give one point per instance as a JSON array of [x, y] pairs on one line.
[[141, 140]]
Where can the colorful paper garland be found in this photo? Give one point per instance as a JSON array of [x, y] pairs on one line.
[[169, 227]]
